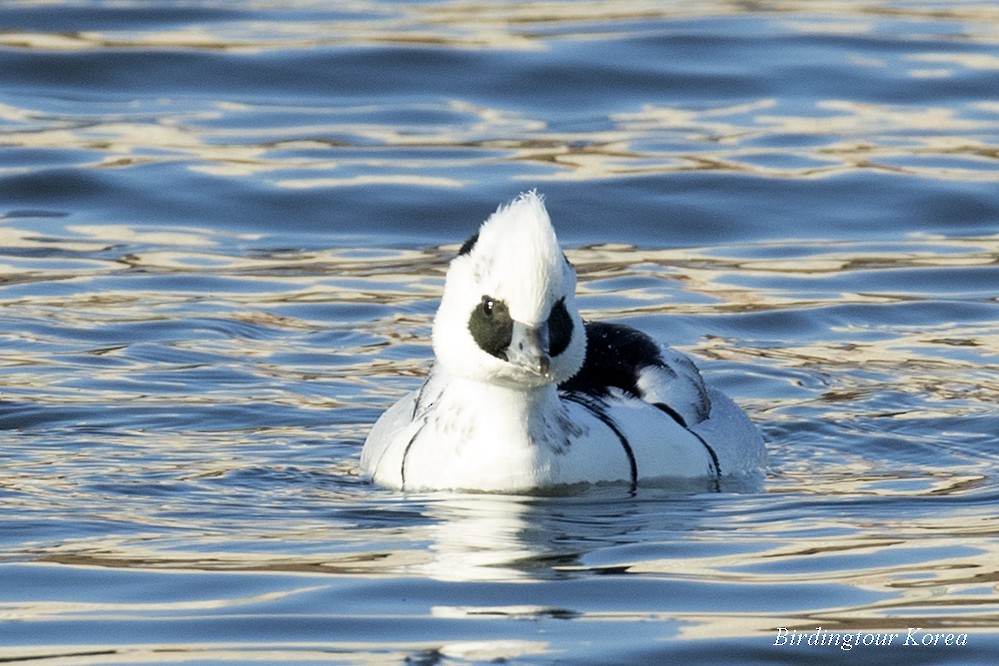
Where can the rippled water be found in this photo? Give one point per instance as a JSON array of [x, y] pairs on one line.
[[223, 233]]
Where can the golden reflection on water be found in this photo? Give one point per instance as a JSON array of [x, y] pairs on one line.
[[920, 538], [945, 578], [848, 136], [480, 25], [756, 279], [833, 136], [495, 24]]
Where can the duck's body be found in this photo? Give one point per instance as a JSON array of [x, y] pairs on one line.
[[512, 406]]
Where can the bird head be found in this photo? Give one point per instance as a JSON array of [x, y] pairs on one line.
[[508, 314]]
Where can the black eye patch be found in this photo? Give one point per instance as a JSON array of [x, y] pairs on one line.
[[491, 326], [559, 328]]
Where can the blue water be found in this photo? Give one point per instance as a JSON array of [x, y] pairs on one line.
[[223, 233]]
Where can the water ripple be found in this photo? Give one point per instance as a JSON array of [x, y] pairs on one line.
[[213, 279]]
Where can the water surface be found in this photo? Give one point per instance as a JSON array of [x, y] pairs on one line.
[[223, 233]]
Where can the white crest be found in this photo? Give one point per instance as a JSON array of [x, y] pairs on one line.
[[522, 263]]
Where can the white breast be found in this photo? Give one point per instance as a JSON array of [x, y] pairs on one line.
[[476, 439]]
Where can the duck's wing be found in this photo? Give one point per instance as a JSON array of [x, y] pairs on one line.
[[623, 358]]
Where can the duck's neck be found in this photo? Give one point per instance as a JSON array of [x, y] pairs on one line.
[[481, 410]]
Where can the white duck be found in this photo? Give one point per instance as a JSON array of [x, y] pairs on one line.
[[525, 396]]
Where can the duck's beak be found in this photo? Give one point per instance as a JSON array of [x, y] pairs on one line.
[[529, 348]]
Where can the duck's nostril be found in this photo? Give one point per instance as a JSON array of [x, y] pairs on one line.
[[544, 364]]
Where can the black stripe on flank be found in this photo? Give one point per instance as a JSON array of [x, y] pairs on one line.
[[418, 403], [715, 465], [593, 406], [672, 413], [405, 456]]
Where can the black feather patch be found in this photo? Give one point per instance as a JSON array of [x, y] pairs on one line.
[[491, 326], [467, 246], [615, 355], [559, 328]]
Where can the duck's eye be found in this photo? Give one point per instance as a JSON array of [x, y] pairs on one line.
[[491, 326]]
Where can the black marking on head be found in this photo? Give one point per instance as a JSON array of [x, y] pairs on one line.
[[615, 355], [467, 246], [559, 328], [491, 326]]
